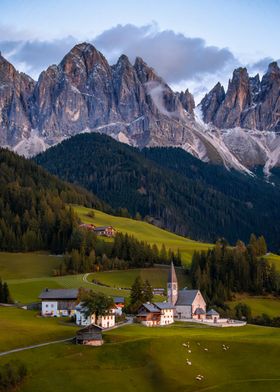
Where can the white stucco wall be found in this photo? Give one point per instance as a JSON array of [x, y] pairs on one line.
[[198, 303], [104, 321], [49, 308], [167, 316]]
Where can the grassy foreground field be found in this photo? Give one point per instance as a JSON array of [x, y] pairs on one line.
[[140, 359], [20, 328], [144, 232]]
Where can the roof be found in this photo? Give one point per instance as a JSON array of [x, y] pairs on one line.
[[199, 311], [118, 299], [101, 228], [186, 297], [91, 332], [164, 305], [212, 312], [59, 294], [172, 278], [151, 307]]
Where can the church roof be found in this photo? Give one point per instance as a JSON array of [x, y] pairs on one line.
[[212, 312], [199, 311], [172, 278], [186, 297]]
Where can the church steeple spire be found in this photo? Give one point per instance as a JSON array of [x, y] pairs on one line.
[[172, 285]]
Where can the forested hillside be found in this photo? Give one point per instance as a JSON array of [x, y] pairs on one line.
[[170, 188], [33, 213]]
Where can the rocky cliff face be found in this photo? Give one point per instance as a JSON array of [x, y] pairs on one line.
[[248, 103], [131, 103], [15, 102]]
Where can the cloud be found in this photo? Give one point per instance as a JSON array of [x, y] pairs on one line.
[[261, 65], [182, 61], [34, 56], [174, 56]]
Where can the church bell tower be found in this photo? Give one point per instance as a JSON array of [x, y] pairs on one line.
[[172, 286]]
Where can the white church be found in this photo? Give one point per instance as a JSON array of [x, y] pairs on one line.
[[189, 304]]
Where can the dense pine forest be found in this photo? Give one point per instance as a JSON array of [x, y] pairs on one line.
[[33, 211], [88, 253], [169, 188], [222, 271]]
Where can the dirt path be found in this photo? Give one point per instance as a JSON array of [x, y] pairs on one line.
[[16, 350]]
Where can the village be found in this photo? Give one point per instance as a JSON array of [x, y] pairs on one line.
[[181, 305]]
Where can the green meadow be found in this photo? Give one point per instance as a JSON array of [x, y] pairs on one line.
[[273, 258], [260, 305], [27, 265], [156, 276], [21, 328], [144, 232], [139, 359]]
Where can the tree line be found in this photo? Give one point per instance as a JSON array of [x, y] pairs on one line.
[[33, 206], [222, 271], [88, 253]]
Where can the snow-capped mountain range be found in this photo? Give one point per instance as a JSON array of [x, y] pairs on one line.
[[239, 128]]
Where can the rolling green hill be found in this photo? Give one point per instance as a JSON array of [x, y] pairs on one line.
[[27, 265], [138, 359], [144, 232]]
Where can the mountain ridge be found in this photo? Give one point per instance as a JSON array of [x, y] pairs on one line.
[[131, 103]]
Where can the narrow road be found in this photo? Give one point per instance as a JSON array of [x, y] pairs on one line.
[[85, 279], [16, 350]]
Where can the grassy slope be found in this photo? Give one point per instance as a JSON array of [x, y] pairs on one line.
[[260, 305], [20, 328], [144, 232], [27, 265], [139, 359], [274, 259], [156, 276]]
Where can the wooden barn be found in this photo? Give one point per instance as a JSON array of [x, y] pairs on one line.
[[90, 335]]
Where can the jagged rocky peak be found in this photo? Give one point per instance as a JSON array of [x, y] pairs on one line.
[[255, 85], [144, 72], [187, 101], [211, 102], [273, 68], [84, 56]]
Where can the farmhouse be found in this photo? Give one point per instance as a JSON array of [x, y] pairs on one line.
[[59, 302], [90, 335], [106, 231], [155, 314], [188, 303], [87, 226], [105, 321]]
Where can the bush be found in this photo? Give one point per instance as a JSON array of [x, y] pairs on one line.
[[11, 375]]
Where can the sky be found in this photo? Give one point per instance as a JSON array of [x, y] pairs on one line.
[[190, 43]]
